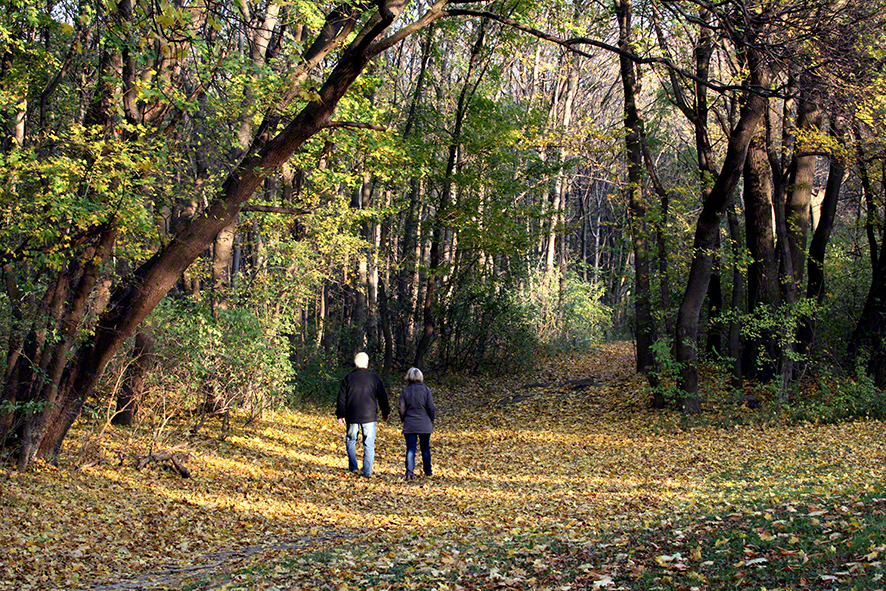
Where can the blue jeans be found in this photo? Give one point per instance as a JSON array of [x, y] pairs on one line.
[[368, 430], [412, 439]]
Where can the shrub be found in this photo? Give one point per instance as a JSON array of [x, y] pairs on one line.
[[485, 329], [565, 314], [236, 358], [840, 399]]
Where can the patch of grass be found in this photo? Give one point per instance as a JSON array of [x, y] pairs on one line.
[[832, 542], [814, 542]]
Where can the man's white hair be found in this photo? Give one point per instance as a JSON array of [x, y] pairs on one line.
[[361, 360]]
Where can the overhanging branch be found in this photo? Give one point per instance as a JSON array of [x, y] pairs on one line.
[[354, 125], [275, 209]]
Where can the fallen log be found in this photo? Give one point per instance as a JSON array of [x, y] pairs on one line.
[[171, 455]]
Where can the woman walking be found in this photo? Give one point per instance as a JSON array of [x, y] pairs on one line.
[[417, 412]]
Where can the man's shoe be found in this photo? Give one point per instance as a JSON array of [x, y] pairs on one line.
[[355, 472], [410, 477], [367, 476]]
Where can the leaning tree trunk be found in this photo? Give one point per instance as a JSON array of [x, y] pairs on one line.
[[708, 225], [48, 388], [144, 289]]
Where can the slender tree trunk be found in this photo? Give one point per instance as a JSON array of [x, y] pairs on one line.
[[866, 342], [129, 398], [815, 286], [446, 196], [409, 250], [867, 188], [714, 342], [737, 297], [222, 264], [645, 327]]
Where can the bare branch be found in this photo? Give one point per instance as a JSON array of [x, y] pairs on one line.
[[570, 44], [434, 12]]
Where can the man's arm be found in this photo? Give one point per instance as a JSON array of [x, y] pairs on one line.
[[383, 403], [341, 404]]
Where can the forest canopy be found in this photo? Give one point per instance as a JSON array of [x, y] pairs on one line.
[[224, 201]]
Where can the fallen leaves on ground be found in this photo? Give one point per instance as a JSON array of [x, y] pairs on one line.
[[533, 476]]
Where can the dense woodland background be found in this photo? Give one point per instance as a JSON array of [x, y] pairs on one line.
[[213, 205]]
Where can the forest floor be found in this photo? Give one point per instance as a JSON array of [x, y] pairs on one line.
[[557, 479]]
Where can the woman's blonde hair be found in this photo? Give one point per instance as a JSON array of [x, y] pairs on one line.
[[414, 375]]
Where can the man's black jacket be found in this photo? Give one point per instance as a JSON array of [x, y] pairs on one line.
[[360, 395]]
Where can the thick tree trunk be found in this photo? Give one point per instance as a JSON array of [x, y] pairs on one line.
[[52, 381], [801, 183], [763, 285]]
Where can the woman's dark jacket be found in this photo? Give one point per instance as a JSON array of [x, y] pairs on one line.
[[417, 409], [360, 395]]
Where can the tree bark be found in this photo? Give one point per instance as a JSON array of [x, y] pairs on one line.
[[815, 286], [645, 327], [752, 112], [129, 398], [801, 183], [737, 298], [763, 285], [439, 225]]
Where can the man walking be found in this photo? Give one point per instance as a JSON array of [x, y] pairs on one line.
[[360, 396]]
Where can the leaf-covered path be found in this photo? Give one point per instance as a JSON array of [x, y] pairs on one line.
[[532, 476]]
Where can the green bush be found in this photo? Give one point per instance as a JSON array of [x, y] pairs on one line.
[[315, 379], [235, 356], [485, 329], [842, 398], [565, 314]]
